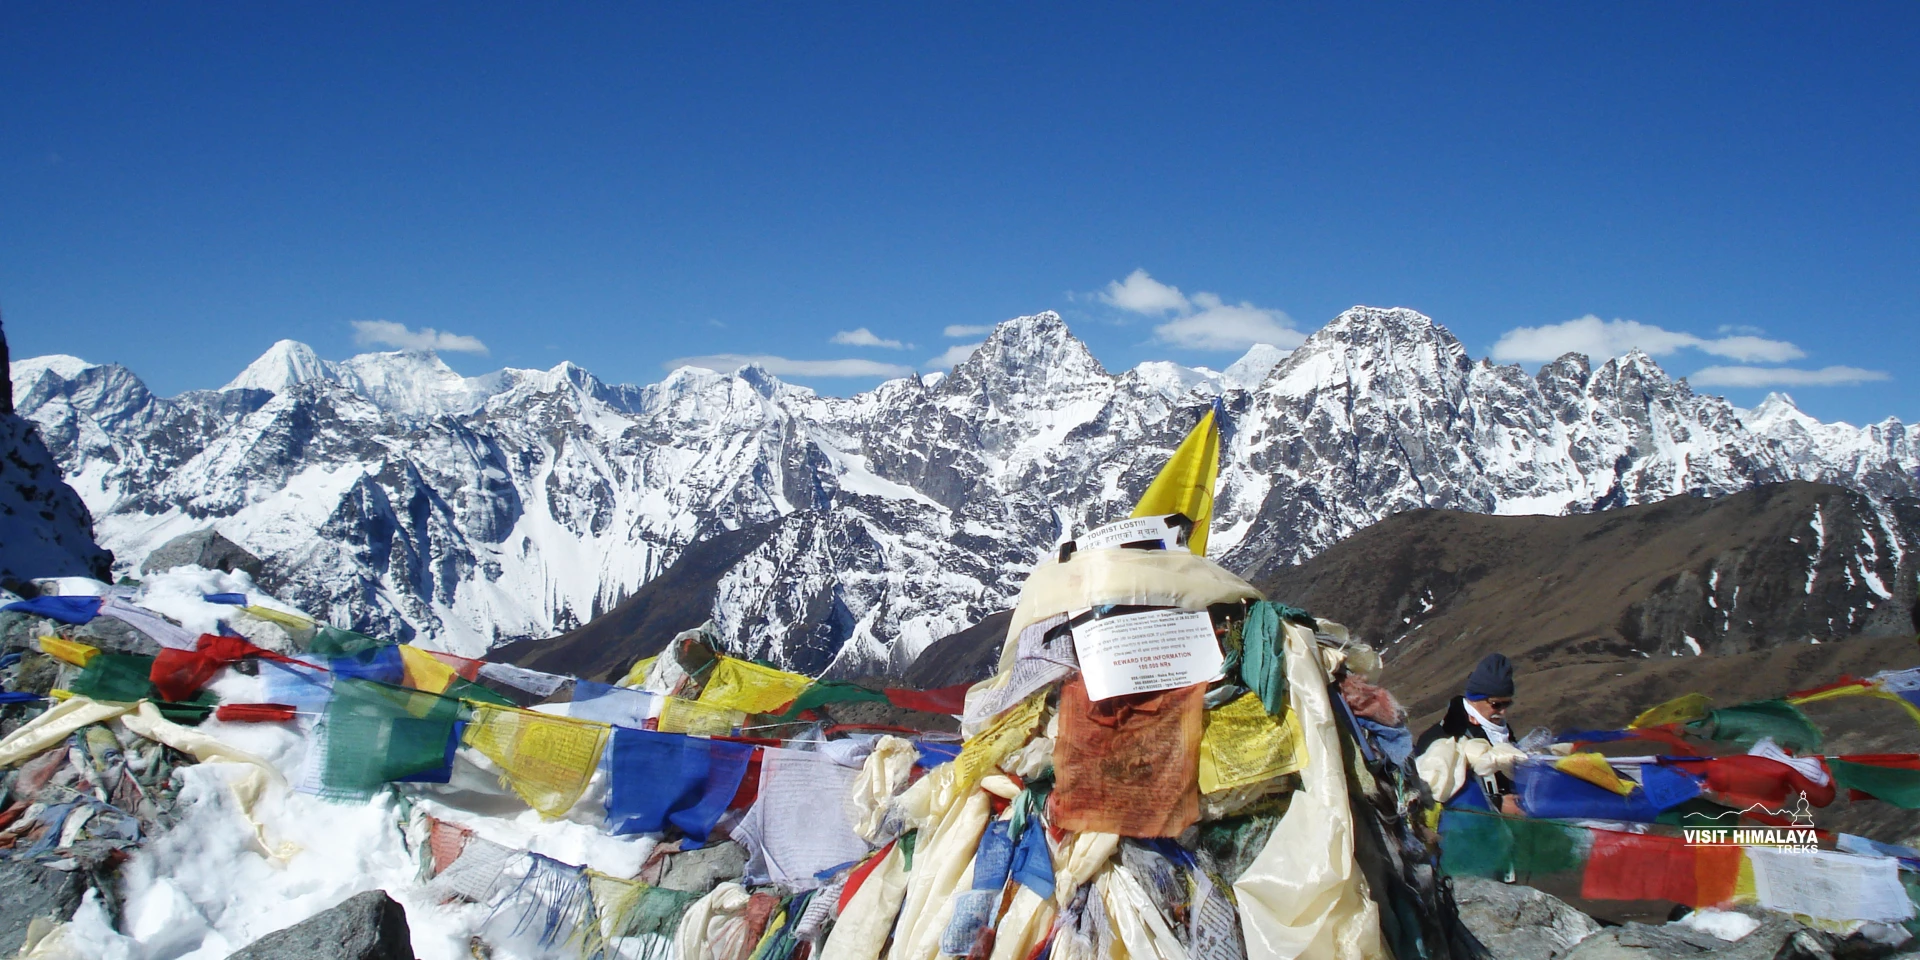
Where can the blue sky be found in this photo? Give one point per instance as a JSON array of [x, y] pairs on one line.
[[623, 186]]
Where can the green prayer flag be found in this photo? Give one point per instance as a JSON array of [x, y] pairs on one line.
[[1747, 723], [824, 692], [330, 641], [463, 689], [1262, 662], [116, 678], [1486, 845], [376, 733], [1893, 785], [191, 713]]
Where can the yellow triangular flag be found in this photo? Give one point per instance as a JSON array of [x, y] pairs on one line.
[[1594, 769], [1185, 484], [422, 672], [1682, 709]]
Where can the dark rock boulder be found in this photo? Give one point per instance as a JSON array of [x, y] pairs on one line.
[[29, 890], [367, 926], [1518, 922], [206, 548]]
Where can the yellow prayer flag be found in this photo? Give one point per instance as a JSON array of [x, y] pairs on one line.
[[1682, 709], [637, 674], [1858, 690], [291, 621], [750, 687], [423, 672], [1185, 484], [702, 719], [1245, 745], [72, 651], [983, 752], [1745, 890], [1594, 769], [547, 759]]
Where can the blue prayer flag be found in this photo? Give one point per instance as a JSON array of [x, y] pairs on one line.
[[68, 610], [655, 779]]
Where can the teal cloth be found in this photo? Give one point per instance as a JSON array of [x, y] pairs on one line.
[[1263, 666]]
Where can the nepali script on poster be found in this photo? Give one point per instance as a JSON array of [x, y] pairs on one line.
[[1147, 652]]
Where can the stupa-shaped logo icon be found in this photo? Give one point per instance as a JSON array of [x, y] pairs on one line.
[[1802, 812]]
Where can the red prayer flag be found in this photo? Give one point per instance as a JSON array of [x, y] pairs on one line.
[[1632, 866], [254, 712], [859, 876], [445, 842], [948, 700], [1844, 681], [1716, 872], [1747, 780], [466, 667], [179, 674]]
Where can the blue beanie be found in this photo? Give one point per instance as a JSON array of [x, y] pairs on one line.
[[1493, 677]]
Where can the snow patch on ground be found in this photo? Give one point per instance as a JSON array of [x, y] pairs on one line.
[[1725, 924]]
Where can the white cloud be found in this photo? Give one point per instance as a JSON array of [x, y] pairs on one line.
[[958, 330], [1140, 293], [1749, 348], [954, 354], [1784, 377], [863, 337], [386, 333], [1228, 326], [1203, 321], [1610, 338], [784, 367]]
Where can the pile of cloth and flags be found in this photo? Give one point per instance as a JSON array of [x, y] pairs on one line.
[[1701, 805], [1166, 765]]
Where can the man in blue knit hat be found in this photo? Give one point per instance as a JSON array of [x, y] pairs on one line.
[[1481, 714]]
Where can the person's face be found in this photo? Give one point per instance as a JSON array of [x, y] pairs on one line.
[[1494, 708]]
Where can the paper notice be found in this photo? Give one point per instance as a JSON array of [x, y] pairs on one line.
[[1146, 652], [1140, 533]]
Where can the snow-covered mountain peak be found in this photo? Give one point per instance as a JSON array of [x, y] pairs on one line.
[[1252, 368], [1174, 381], [1571, 367], [1037, 351], [1776, 410], [1635, 373], [414, 383], [284, 364], [60, 364], [1368, 345], [1361, 323]]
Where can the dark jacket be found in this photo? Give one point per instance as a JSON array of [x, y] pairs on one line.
[[1454, 725]]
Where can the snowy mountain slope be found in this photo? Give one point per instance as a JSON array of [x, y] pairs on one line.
[[401, 498]]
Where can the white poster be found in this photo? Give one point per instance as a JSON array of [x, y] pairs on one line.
[[1145, 652], [1151, 533]]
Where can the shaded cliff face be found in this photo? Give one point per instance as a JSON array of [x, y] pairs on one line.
[[45, 529], [391, 494]]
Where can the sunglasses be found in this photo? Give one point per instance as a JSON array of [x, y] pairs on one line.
[[1498, 704]]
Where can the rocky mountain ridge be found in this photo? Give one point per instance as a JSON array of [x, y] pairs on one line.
[[399, 498]]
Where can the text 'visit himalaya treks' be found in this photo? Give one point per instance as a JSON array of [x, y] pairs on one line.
[[1166, 765]]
